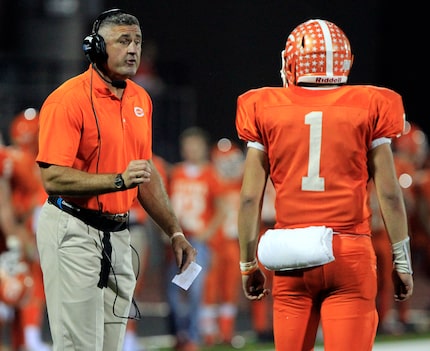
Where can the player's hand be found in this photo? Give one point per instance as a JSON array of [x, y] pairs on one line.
[[403, 285], [253, 285], [137, 172]]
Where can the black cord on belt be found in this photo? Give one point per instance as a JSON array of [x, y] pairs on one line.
[[105, 261], [104, 275]]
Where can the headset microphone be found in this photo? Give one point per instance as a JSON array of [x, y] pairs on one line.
[[121, 84]]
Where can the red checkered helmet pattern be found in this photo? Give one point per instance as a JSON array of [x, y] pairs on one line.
[[317, 52]]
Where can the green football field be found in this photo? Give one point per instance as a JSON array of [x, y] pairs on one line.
[[408, 342]]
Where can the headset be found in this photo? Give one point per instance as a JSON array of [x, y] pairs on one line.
[[94, 45]]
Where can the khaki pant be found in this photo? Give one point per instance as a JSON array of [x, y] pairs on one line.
[[83, 317]]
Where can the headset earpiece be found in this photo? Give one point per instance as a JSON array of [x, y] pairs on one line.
[[94, 48], [94, 45]]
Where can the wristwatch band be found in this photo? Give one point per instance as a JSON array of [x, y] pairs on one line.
[[119, 182]]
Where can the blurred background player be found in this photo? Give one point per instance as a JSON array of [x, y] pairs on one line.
[[24, 130], [195, 196], [412, 150], [222, 286], [410, 153], [27, 194], [414, 146], [13, 239]]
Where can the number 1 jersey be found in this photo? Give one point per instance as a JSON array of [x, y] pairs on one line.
[[317, 141]]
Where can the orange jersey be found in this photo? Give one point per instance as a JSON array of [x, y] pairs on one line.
[[192, 194], [317, 143], [21, 170], [231, 199], [227, 231], [85, 113]]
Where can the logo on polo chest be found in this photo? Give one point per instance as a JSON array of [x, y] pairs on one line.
[[138, 111]]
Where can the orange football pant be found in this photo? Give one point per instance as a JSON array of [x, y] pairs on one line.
[[340, 295], [223, 286]]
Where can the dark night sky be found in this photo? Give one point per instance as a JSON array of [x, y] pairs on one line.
[[224, 48]]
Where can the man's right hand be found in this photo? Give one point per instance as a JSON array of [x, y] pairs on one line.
[[183, 251], [137, 172]]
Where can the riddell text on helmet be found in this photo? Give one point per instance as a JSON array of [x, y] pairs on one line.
[[328, 80]]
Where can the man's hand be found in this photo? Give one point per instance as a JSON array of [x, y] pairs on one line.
[[137, 172], [183, 251]]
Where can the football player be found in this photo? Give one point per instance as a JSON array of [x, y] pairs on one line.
[[320, 141]]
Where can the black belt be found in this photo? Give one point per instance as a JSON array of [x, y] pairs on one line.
[[100, 221]]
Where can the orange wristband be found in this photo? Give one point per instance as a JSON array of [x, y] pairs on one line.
[[247, 268], [249, 272]]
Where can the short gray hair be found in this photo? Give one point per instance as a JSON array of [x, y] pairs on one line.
[[116, 18]]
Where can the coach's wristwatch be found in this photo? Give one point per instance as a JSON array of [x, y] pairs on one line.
[[119, 182]]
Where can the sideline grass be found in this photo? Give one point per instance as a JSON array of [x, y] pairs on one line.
[[251, 345], [407, 336]]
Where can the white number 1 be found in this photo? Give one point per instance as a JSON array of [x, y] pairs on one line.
[[313, 181]]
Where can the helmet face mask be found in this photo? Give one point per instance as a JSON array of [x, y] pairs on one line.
[[317, 52]]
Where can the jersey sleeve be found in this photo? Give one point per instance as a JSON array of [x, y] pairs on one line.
[[246, 124], [389, 114]]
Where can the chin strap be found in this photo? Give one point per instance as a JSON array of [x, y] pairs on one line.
[[402, 256]]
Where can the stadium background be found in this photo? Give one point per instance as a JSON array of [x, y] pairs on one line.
[[209, 52]]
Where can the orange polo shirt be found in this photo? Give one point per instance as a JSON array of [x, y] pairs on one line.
[[74, 116], [317, 143]]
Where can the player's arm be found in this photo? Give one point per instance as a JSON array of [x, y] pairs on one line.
[[249, 218], [391, 202], [154, 199]]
